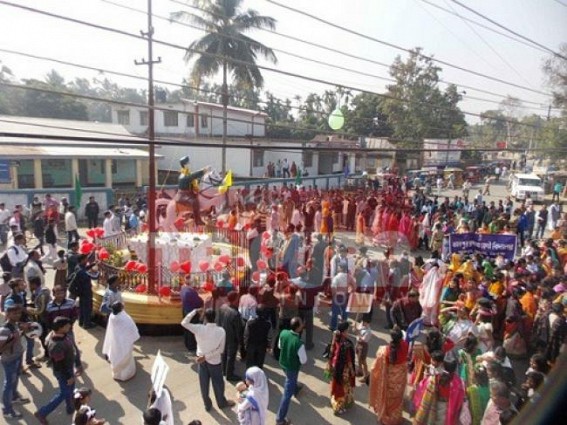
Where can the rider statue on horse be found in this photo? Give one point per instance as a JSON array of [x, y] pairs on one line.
[[188, 185]]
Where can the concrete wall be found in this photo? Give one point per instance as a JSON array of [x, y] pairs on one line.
[[104, 197]]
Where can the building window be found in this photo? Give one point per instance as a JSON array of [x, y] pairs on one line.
[[308, 159], [258, 158], [170, 119], [123, 117], [114, 166], [335, 157], [143, 117], [204, 121], [56, 173], [190, 120]]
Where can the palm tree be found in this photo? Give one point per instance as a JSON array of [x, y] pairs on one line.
[[224, 46]]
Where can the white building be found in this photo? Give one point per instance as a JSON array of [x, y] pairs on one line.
[[442, 151], [191, 119]]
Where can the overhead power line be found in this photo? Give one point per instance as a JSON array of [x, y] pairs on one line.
[[168, 141], [334, 51], [486, 27], [176, 46], [492, 21], [395, 46]]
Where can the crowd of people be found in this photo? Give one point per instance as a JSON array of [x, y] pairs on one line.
[[455, 321]]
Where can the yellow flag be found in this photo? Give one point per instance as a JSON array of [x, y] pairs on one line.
[[226, 182], [228, 179]]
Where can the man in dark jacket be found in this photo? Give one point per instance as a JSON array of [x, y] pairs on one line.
[[83, 283], [62, 354], [92, 211], [229, 319], [257, 338]]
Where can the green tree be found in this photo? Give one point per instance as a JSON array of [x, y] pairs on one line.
[[555, 69], [225, 46], [8, 96], [364, 116], [415, 106], [37, 103]]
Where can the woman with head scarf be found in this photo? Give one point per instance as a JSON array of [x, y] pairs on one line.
[[388, 379], [342, 370], [253, 402]]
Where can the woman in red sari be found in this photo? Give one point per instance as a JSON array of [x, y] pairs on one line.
[[342, 371], [388, 379]]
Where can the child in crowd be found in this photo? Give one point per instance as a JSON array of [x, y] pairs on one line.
[[364, 333], [84, 415]]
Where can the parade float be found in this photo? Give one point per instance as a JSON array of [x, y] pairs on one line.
[[192, 240]]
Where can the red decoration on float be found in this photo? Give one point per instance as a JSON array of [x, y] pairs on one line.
[[165, 291], [103, 254], [261, 264], [185, 267], [174, 266], [203, 265]]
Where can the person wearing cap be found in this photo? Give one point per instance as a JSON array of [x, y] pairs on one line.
[[11, 359], [121, 334], [62, 354]]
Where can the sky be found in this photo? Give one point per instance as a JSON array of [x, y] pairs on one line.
[[407, 23]]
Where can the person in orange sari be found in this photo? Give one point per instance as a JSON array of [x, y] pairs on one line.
[[388, 380], [360, 229]]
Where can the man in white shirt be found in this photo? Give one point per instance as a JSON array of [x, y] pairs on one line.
[[210, 345], [71, 226], [108, 224], [18, 256]]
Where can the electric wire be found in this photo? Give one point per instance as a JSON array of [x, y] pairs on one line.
[[492, 21], [114, 30], [395, 46]]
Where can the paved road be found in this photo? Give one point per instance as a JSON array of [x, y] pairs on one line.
[[122, 403]]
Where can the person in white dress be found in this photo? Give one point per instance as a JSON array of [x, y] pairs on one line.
[[118, 347], [253, 401]]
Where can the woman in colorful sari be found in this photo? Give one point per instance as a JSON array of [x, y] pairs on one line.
[[467, 358], [478, 394], [388, 380], [342, 370], [441, 397]]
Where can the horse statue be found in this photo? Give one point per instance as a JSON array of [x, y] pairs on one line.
[[197, 193]]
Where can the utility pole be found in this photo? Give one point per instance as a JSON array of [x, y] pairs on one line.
[[152, 267]]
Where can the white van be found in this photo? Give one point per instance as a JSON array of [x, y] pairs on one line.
[[527, 184]]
